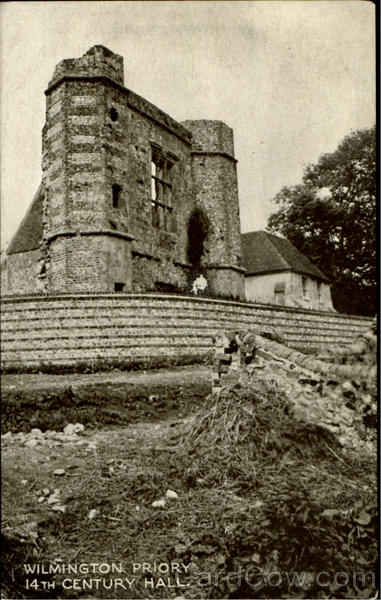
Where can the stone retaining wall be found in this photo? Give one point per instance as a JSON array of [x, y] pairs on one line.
[[69, 329]]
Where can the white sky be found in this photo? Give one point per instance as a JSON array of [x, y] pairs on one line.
[[291, 78]]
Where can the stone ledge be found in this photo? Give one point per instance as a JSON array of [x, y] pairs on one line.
[[109, 232], [225, 267]]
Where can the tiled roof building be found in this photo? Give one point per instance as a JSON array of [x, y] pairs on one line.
[[276, 272]]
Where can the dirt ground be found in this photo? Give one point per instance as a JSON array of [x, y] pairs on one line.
[[131, 511], [42, 381], [110, 472], [109, 469], [96, 399]]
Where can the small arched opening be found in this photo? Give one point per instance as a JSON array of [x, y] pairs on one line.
[[113, 114]]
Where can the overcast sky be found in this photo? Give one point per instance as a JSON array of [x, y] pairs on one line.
[[291, 78]]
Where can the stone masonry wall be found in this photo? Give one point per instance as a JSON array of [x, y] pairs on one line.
[[340, 398], [100, 153], [98, 135], [93, 253], [21, 272], [82, 328]]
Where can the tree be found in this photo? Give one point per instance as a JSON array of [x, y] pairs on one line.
[[331, 218]]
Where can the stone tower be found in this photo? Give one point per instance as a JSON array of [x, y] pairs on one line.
[[89, 243], [215, 189], [131, 200]]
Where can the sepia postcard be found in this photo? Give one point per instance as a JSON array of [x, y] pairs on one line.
[[189, 299]]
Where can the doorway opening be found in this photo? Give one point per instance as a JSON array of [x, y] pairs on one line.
[[198, 229]]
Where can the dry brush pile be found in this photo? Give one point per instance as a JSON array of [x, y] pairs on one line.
[[299, 446]]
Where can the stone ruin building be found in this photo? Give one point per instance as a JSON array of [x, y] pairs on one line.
[[130, 200]]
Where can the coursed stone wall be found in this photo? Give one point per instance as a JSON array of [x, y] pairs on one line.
[[71, 329], [121, 183]]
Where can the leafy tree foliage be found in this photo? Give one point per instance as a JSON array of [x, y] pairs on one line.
[[331, 218]]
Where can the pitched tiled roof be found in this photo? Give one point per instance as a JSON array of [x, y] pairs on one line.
[[267, 253], [29, 234]]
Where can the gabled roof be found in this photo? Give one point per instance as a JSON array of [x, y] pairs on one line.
[[267, 253], [29, 234]]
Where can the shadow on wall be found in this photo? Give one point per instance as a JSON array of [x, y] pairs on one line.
[[198, 229]]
